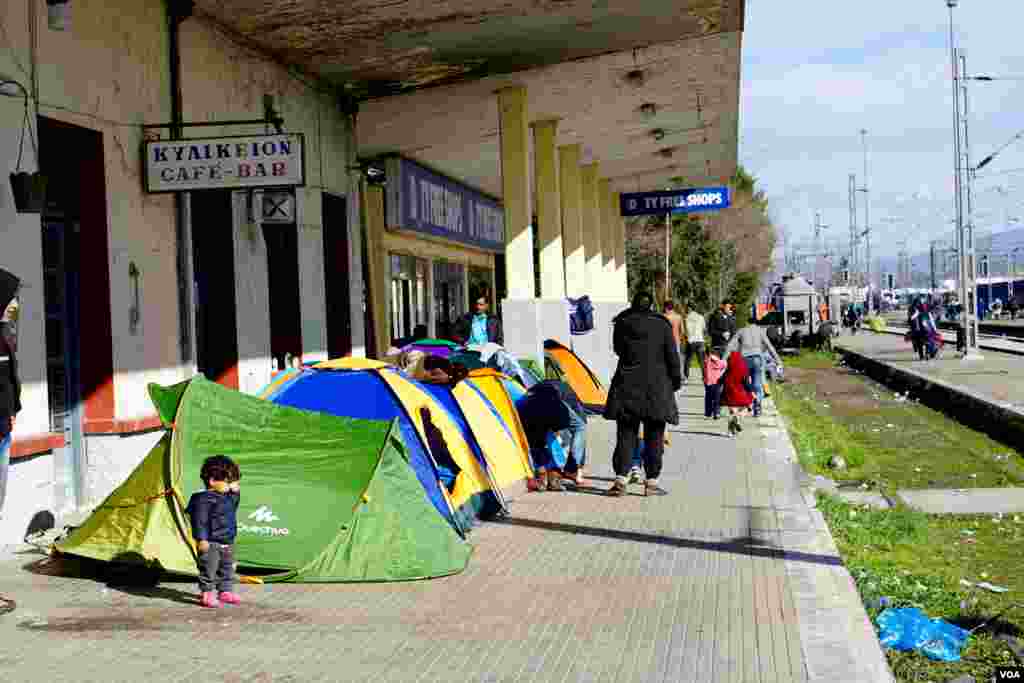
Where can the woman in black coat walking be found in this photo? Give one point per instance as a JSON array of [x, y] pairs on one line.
[[642, 391]]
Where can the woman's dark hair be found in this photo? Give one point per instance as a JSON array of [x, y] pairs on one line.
[[219, 468]]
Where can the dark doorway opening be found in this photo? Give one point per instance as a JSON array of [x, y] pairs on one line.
[[283, 282], [213, 248], [336, 277], [76, 291]]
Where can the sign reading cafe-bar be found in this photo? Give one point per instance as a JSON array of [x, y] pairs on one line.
[[225, 163], [421, 200]]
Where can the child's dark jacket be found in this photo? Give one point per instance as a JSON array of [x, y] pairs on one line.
[[214, 516]]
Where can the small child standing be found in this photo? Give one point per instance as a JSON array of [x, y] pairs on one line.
[[214, 527], [714, 369]]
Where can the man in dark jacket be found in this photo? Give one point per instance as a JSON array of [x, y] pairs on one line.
[[10, 387], [722, 325], [642, 390], [480, 327]]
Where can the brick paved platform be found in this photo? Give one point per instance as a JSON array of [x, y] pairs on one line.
[[731, 578]]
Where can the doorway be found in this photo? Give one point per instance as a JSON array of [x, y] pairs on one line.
[[336, 275], [213, 249], [283, 282], [76, 292]]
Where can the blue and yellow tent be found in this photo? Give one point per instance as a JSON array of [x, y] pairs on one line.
[[440, 448], [488, 432]]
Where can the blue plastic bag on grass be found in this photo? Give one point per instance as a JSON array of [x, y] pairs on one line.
[[908, 628]]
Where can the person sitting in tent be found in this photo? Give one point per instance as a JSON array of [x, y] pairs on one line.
[[543, 412], [481, 327], [213, 514]]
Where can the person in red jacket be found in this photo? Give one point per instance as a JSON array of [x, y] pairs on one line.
[[738, 394]]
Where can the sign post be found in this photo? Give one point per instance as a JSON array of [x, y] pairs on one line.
[[668, 202]]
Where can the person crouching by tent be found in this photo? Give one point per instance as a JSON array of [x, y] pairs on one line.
[[543, 412], [575, 435], [213, 514], [738, 392], [714, 370]]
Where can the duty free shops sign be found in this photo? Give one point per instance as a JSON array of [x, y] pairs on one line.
[[235, 162], [674, 201]]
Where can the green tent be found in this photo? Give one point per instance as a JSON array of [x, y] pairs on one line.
[[324, 498]]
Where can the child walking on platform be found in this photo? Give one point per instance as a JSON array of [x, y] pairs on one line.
[[213, 514], [714, 370]]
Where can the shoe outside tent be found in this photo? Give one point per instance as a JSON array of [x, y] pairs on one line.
[[324, 498], [563, 364], [373, 390]]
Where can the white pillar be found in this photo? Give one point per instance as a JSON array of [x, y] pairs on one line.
[[571, 195], [549, 211], [515, 182], [592, 230]]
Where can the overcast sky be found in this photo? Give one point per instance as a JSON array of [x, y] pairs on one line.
[[815, 73]]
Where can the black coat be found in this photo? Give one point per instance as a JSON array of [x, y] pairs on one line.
[[721, 329], [10, 387], [648, 374]]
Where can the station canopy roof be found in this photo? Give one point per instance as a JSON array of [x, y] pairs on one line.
[[426, 73]]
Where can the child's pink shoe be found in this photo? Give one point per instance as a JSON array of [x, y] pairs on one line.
[[229, 598], [209, 599]]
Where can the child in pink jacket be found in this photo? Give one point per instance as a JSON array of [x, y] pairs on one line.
[[714, 369]]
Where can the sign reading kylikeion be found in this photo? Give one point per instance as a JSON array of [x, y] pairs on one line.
[[225, 163], [675, 201], [427, 202]]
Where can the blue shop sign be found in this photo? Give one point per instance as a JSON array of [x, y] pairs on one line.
[[427, 202], [674, 201]]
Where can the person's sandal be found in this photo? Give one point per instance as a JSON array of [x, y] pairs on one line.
[[617, 490]]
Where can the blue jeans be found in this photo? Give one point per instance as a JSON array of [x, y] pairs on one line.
[[577, 456], [756, 365], [5, 466]]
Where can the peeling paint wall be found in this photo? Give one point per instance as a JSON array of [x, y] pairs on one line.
[[109, 73]]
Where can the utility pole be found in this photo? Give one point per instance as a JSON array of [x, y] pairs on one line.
[[970, 267], [853, 224], [867, 222]]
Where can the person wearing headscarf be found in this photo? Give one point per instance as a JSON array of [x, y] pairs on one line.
[[642, 390]]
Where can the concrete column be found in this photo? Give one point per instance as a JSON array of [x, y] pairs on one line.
[[377, 267], [571, 195], [592, 230], [621, 277], [515, 183], [607, 241], [549, 211]]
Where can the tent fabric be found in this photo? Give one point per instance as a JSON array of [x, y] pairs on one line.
[[387, 394], [492, 384], [434, 347], [324, 498], [351, 363], [569, 368], [486, 430]]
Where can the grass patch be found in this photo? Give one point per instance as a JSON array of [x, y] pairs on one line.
[[903, 558], [884, 438]]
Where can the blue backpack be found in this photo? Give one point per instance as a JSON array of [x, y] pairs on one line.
[[581, 315]]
